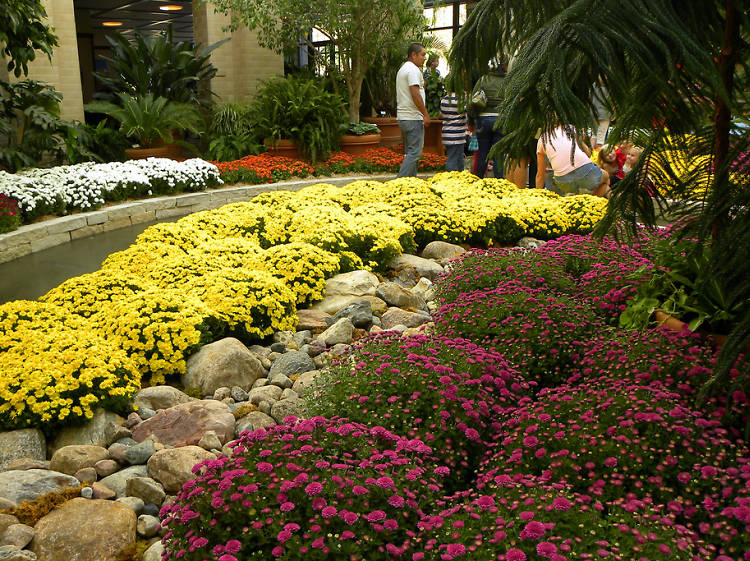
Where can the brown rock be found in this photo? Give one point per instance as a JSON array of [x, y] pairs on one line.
[[86, 475], [185, 424], [223, 363], [312, 320], [69, 459], [7, 520], [159, 397], [17, 534], [27, 463], [106, 467], [102, 492], [86, 530], [172, 467], [397, 316]]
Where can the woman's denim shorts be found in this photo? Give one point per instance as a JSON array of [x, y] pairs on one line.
[[582, 180]]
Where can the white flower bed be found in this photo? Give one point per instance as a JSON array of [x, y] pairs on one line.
[[88, 185]]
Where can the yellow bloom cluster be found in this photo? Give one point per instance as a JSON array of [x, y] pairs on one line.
[[241, 270], [56, 367]]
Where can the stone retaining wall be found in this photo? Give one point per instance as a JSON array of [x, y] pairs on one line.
[[35, 237]]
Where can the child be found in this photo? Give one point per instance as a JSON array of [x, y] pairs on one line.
[[608, 161]]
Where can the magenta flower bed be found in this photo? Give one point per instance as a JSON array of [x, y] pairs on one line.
[[526, 426]]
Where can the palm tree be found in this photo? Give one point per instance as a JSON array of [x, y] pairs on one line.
[[676, 75]]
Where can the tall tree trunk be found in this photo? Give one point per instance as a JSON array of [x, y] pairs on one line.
[[355, 85], [722, 114]]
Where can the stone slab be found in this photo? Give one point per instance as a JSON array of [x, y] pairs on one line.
[[50, 241], [171, 212], [99, 217], [66, 224]]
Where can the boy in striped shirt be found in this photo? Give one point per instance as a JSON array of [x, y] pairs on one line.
[[454, 132]]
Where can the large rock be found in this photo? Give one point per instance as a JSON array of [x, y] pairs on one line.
[[118, 481], [160, 397], [397, 316], [24, 443], [442, 250], [292, 406], [18, 486], [396, 295], [265, 393], [224, 363], [69, 459], [292, 362], [359, 312], [354, 283], [102, 430], [86, 530], [17, 534], [153, 553], [13, 553], [305, 380], [254, 421], [147, 489], [186, 423], [172, 467], [412, 267], [340, 332]]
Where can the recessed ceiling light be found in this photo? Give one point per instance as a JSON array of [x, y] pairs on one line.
[[170, 8], [111, 23]]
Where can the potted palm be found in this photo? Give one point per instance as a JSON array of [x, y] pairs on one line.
[[150, 123]]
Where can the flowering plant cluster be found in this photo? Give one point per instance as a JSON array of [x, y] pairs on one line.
[[56, 368], [86, 186], [10, 217], [397, 383], [522, 519], [316, 489], [638, 447]]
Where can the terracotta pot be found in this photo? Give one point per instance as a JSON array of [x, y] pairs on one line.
[[390, 133], [358, 145], [163, 151], [433, 138], [284, 147]]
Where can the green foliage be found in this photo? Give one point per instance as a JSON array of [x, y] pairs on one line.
[[161, 67], [227, 148], [10, 215], [434, 88], [362, 32], [231, 135], [22, 32], [86, 143], [301, 110], [361, 129], [147, 119], [30, 124]]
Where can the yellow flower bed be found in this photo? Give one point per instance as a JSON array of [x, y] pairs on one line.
[[241, 270]]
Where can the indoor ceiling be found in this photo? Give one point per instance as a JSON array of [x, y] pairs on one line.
[[143, 15]]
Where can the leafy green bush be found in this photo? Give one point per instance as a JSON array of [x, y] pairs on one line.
[[301, 110]]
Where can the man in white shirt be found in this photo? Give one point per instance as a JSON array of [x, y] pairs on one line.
[[411, 112]]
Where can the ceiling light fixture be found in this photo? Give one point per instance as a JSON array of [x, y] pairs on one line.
[[111, 23], [170, 8]]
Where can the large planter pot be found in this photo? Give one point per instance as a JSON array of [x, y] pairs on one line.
[[163, 151], [358, 145], [433, 138], [283, 147], [390, 132]]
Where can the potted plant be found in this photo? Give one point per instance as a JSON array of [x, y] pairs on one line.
[[150, 123], [296, 116], [359, 138]]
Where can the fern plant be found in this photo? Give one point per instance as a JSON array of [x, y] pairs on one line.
[[149, 120], [299, 109]]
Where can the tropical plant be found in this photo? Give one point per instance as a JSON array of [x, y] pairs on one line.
[[361, 129], [177, 71], [23, 31], [231, 134], [298, 109], [149, 120], [87, 143], [362, 31], [434, 89], [675, 74], [30, 124]]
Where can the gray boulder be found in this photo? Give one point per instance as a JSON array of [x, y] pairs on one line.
[[224, 363], [18, 486], [24, 443], [118, 481], [102, 430], [160, 397], [292, 362], [147, 489], [14, 553], [305, 380], [340, 332], [265, 393], [282, 409], [254, 421], [173, 467], [530, 243], [147, 525], [359, 312], [139, 453]]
